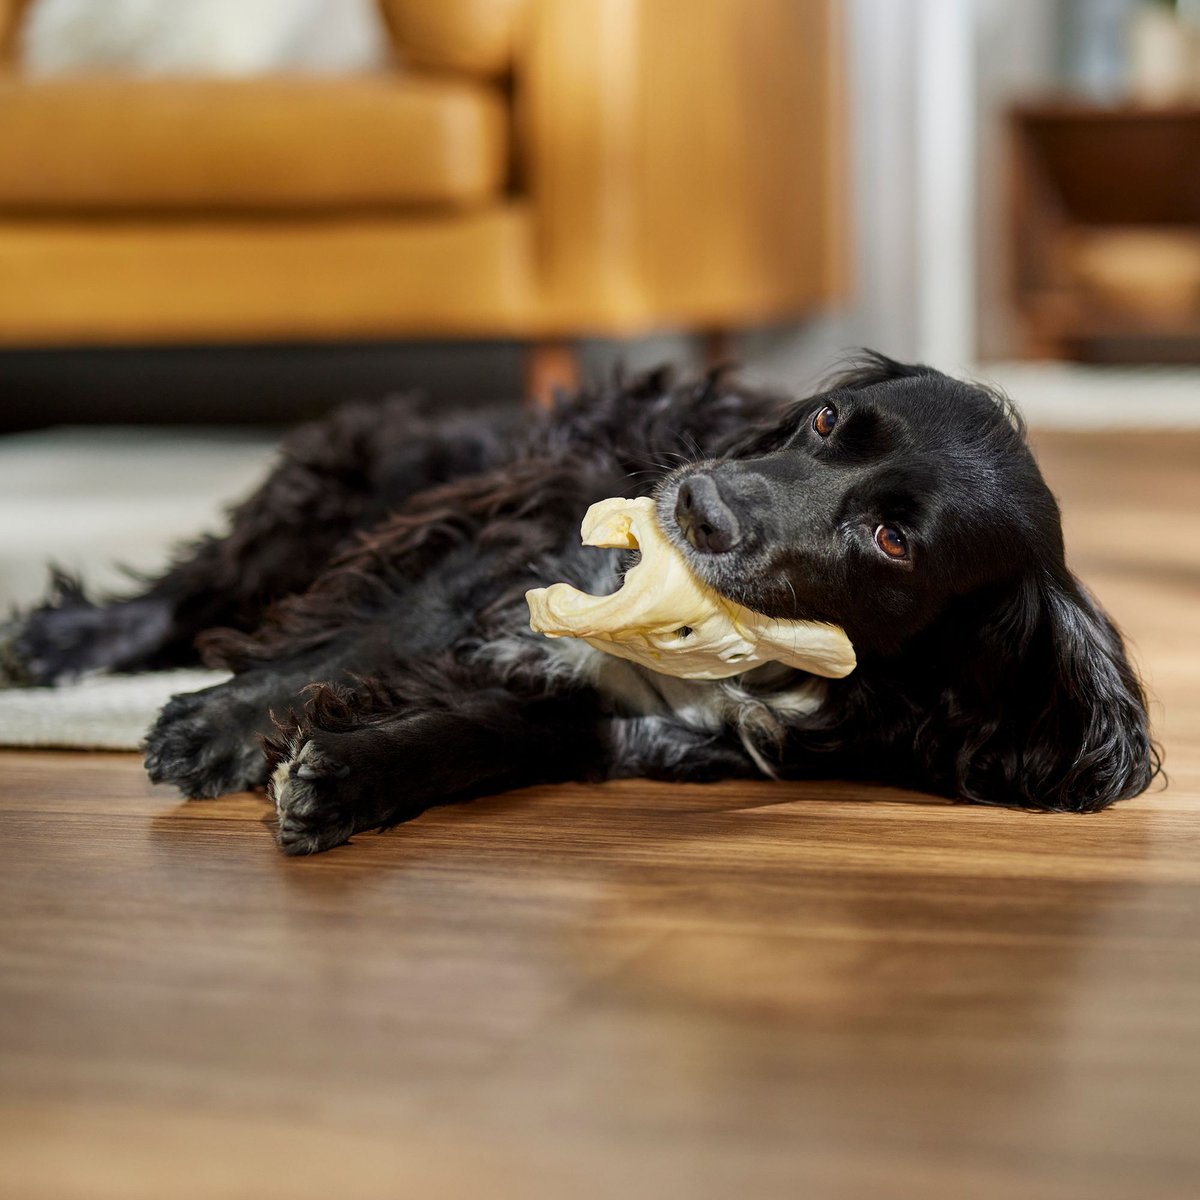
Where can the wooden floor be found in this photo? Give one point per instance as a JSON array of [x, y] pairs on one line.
[[630, 991]]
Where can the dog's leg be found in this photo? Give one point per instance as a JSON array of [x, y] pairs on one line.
[[343, 772], [210, 742], [346, 769], [334, 477]]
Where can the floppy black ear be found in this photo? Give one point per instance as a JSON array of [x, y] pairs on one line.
[[1046, 710]]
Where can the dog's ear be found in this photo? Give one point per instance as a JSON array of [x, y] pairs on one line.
[[1045, 710]]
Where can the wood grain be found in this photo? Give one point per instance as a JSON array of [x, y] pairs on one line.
[[819, 990]]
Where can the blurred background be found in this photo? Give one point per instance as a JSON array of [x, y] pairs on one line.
[[220, 217]]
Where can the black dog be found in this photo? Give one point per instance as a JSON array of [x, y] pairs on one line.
[[370, 598]]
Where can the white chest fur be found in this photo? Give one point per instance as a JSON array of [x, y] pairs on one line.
[[756, 709]]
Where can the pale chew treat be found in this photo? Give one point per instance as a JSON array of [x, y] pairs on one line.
[[664, 618]]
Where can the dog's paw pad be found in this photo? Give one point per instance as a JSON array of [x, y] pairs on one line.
[[311, 764], [311, 816]]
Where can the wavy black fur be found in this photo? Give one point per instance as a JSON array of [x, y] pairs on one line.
[[369, 598]]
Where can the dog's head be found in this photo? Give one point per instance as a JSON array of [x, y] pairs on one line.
[[906, 507]]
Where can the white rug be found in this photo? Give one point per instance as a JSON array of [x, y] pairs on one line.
[[106, 712], [87, 498]]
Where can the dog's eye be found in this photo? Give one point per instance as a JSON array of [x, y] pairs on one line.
[[891, 542], [825, 421]]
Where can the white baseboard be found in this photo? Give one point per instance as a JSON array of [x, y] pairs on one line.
[[1056, 395]]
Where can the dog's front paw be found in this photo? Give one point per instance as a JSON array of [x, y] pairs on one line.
[[205, 747], [314, 799]]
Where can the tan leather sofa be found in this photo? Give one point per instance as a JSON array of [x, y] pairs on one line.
[[531, 168]]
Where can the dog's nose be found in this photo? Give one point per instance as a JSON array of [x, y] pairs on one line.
[[706, 520]]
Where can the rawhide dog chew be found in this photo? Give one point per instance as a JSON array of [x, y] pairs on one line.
[[666, 619]]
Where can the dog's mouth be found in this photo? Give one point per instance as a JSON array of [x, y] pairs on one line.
[[716, 543], [725, 549]]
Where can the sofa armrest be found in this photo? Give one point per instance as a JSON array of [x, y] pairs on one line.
[[683, 158], [475, 37]]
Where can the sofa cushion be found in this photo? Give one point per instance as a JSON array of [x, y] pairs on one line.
[[251, 278], [262, 144]]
